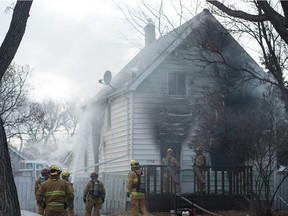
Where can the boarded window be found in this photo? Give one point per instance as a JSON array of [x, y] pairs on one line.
[[177, 84]]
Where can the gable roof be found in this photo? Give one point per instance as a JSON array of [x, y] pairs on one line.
[[151, 56], [12, 150]]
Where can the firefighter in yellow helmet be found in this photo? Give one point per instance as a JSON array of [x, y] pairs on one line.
[[135, 188], [54, 193], [94, 195], [44, 176], [198, 166], [171, 170], [65, 176]]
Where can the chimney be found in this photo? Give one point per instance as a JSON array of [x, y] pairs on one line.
[[150, 36]]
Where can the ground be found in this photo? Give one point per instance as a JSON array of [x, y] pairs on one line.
[[220, 213], [27, 213]]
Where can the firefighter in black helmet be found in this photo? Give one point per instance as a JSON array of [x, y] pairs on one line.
[[94, 195]]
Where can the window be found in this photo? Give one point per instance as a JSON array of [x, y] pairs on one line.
[[29, 166], [177, 84]]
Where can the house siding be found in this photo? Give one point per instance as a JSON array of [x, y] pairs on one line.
[[151, 96], [115, 140]]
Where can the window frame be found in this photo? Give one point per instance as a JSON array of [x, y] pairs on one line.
[[176, 81]]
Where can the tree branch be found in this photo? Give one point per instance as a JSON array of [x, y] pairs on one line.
[[238, 13]]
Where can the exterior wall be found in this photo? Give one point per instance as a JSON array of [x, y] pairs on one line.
[[15, 159], [131, 134], [151, 96], [115, 141]]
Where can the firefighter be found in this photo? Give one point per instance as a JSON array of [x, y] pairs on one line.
[[65, 176], [198, 166], [94, 195], [136, 189], [54, 194], [172, 169], [44, 176]]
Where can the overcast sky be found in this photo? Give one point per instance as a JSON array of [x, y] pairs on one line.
[[69, 44]]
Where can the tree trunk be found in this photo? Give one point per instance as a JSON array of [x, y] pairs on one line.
[[9, 204], [14, 35]]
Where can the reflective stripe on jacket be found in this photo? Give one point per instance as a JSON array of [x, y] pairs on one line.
[[55, 192]]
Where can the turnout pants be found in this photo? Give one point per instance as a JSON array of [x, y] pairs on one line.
[[95, 203], [138, 205]]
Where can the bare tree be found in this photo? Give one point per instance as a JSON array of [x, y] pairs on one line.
[[48, 125], [8, 194], [269, 29], [30, 127], [165, 14], [246, 137], [13, 95], [266, 12]]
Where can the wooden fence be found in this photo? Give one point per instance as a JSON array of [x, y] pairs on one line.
[[115, 186]]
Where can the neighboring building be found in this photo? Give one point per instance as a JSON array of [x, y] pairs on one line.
[[149, 106], [32, 168], [24, 167], [15, 157]]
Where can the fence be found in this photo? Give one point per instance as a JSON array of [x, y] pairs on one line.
[[281, 198], [115, 186]]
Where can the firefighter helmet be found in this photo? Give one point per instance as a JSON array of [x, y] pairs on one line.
[[55, 170], [134, 164], [169, 151], [45, 172], [65, 174], [198, 149], [93, 175]]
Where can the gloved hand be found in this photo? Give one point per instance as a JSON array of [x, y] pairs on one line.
[[128, 194], [103, 200], [66, 204], [43, 205], [84, 200]]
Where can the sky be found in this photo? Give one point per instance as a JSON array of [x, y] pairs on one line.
[[69, 44]]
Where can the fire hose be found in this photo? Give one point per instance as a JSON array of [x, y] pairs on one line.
[[197, 206]]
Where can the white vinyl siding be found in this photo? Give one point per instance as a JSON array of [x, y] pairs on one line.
[[134, 115], [115, 138]]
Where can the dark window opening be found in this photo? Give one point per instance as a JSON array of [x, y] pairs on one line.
[[177, 84]]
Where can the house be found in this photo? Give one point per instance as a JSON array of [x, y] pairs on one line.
[[16, 158], [24, 167], [147, 107]]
